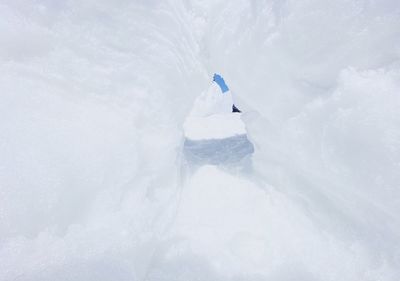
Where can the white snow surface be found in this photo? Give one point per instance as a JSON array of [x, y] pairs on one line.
[[93, 101], [211, 116], [212, 101], [215, 126]]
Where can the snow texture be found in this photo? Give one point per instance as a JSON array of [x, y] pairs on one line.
[[216, 126], [214, 135], [218, 151], [94, 96], [212, 101]]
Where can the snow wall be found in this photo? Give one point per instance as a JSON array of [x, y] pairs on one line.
[[93, 96]]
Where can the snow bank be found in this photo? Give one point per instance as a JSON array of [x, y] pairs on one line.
[[239, 227], [93, 97], [216, 126]]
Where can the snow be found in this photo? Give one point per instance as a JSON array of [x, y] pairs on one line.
[[212, 101], [236, 225], [211, 116], [216, 126], [94, 99], [233, 151], [213, 133]]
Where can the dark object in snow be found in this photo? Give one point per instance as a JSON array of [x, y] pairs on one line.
[[235, 109]]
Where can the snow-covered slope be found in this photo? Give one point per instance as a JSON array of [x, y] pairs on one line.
[[93, 100]]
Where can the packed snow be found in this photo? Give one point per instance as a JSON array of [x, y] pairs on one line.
[[94, 105], [215, 126], [211, 116], [213, 134]]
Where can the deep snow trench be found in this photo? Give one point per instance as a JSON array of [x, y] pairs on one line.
[[93, 98]]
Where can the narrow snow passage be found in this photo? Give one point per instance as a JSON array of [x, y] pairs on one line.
[[93, 101]]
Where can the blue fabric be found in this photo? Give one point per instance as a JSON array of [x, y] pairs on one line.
[[221, 83]]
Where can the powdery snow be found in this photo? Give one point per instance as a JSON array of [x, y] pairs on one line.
[[93, 98], [216, 126]]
